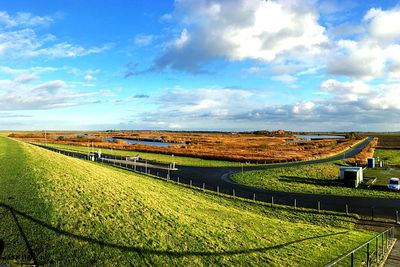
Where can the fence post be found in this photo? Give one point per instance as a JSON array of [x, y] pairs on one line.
[[233, 192], [387, 239], [372, 213], [352, 259], [254, 196], [177, 180], [319, 206], [368, 254], [397, 216], [190, 183], [204, 186], [272, 201], [217, 189], [295, 203]]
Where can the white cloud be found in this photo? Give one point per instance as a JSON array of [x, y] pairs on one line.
[[384, 25], [242, 29], [20, 39], [343, 88], [61, 50], [26, 71], [364, 59], [375, 52], [304, 107], [26, 78], [23, 19], [285, 78], [143, 40], [89, 77], [21, 95]]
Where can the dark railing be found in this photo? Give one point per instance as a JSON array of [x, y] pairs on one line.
[[368, 254]]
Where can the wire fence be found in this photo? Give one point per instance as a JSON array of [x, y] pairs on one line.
[[166, 172], [371, 253]]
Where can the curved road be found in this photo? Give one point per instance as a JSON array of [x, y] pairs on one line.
[[218, 178]]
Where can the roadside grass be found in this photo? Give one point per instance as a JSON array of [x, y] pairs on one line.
[[162, 158], [388, 156], [382, 175], [319, 178], [78, 213]]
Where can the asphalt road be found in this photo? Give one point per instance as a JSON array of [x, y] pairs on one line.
[[218, 178]]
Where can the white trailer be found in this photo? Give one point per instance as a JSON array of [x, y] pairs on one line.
[[352, 176]]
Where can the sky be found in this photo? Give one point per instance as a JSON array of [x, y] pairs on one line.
[[229, 65]]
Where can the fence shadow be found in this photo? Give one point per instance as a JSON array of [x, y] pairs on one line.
[[311, 181], [1, 247], [142, 250]]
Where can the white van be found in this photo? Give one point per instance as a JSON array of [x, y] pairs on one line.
[[394, 184]]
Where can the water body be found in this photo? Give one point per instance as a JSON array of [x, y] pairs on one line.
[[149, 143], [314, 136]]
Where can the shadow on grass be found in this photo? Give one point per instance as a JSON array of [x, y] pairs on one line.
[[311, 181], [142, 250], [1, 247]]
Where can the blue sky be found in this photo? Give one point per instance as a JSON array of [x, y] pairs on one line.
[[200, 65]]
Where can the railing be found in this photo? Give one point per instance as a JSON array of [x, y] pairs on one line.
[[368, 254]]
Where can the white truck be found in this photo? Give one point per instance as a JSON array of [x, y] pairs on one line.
[[394, 184]]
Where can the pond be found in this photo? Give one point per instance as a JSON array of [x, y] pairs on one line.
[[149, 143], [315, 136]]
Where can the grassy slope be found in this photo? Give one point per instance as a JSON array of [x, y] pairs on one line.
[[183, 161], [102, 216], [316, 178]]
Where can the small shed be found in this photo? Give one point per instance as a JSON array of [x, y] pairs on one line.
[[351, 176], [371, 163]]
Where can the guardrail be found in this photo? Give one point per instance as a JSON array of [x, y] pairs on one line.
[[370, 253]]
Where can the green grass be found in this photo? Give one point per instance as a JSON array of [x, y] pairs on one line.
[[315, 179], [382, 175], [162, 158], [78, 213], [388, 156]]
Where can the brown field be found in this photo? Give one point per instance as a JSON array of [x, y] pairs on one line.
[[244, 147], [389, 141], [368, 152]]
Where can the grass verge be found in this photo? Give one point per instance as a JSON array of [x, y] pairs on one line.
[[58, 210], [162, 158], [314, 179]]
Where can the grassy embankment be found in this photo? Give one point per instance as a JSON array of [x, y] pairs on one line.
[[316, 179], [77, 213]]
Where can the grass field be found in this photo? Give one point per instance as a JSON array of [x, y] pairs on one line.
[[388, 156], [76, 213], [162, 158], [316, 179]]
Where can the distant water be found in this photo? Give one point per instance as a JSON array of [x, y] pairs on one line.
[[312, 137], [149, 143]]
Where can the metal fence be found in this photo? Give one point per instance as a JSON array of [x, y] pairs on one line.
[[371, 253]]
